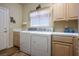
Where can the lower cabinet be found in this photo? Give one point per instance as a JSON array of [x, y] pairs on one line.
[[62, 49], [62, 46], [16, 39], [41, 45], [76, 45]]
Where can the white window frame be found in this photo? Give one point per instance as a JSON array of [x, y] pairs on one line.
[[50, 14]]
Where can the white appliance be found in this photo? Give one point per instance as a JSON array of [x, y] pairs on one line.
[[40, 45], [25, 42], [4, 28], [35, 43]]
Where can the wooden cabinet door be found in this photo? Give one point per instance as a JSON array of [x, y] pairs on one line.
[[16, 39], [76, 47], [62, 49], [73, 10], [59, 11]]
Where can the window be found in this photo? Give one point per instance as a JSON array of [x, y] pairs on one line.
[[40, 18]]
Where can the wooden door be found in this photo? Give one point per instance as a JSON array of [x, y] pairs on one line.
[[59, 11], [62, 49]]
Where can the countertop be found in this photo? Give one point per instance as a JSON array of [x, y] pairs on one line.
[[17, 30], [47, 33]]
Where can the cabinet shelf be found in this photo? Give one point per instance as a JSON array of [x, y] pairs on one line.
[[59, 26]]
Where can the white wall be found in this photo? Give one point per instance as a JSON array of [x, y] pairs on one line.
[[20, 12], [29, 7], [16, 12]]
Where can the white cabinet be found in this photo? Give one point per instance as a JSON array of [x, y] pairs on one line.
[[25, 42], [40, 45]]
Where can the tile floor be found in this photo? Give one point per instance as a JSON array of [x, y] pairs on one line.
[[12, 52]]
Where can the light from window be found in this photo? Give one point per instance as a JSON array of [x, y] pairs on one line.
[[40, 18]]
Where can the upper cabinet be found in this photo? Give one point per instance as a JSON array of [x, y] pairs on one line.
[[59, 11], [63, 11], [73, 11]]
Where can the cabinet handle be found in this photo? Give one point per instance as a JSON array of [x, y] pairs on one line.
[[74, 17], [5, 31], [60, 18]]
